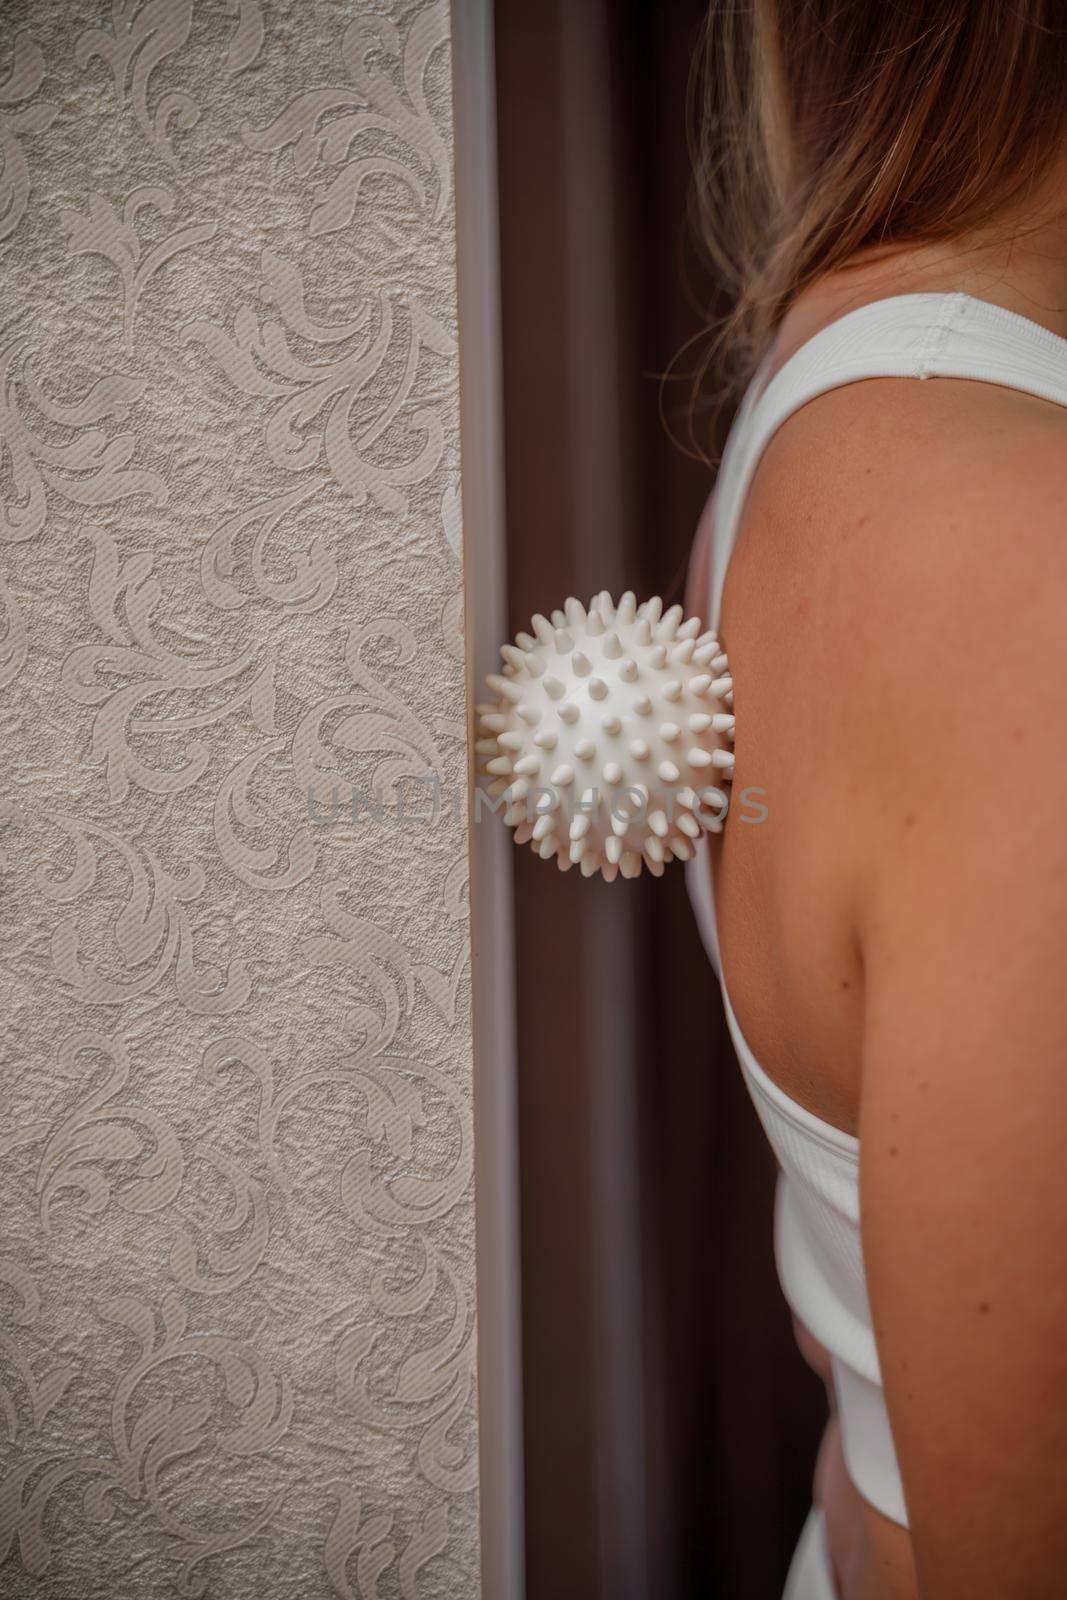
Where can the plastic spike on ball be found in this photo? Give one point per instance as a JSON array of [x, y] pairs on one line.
[[608, 734]]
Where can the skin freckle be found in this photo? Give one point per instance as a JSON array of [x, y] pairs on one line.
[[893, 1151], [909, 820], [983, 1307]]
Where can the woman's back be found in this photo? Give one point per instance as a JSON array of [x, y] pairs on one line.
[[900, 576]]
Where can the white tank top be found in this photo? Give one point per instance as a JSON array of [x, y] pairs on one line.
[[817, 1210]]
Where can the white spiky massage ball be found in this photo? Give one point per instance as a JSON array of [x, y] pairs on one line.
[[608, 731]]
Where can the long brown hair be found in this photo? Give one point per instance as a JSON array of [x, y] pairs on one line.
[[826, 128]]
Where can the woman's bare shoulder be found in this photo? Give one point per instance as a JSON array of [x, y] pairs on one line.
[[925, 523], [908, 456]]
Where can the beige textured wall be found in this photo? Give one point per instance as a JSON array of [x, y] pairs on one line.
[[236, 1214]]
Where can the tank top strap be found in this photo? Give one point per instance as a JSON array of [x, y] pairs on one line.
[[907, 336]]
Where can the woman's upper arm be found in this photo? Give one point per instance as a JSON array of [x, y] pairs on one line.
[[964, 1091]]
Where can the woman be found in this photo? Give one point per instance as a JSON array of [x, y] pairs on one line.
[[885, 191]]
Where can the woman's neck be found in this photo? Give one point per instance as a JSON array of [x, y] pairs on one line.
[[1018, 262]]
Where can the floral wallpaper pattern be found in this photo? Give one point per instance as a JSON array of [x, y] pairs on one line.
[[236, 1211]]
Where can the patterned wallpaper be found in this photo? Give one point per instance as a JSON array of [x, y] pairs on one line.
[[236, 1212]]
